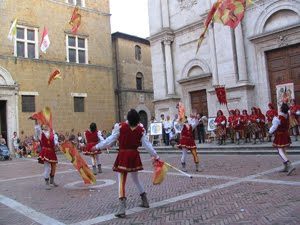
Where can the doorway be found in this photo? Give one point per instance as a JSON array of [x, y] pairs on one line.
[[199, 101], [3, 123], [144, 119]]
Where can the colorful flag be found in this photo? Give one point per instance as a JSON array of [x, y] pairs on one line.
[[75, 20], [181, 112], [160, 171], [43, 117], [54, 75], [221, 94], [72, 154], [45, 43], [230, 12], [13, 31]]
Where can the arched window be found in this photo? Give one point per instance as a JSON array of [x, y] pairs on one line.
[[139, 81], [144, 119], [138, 53]]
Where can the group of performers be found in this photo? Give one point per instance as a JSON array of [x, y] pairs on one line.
[[254, 126], [131, 135]]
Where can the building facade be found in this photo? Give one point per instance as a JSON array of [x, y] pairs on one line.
[[263, 51], [133, 76], [85, 92]]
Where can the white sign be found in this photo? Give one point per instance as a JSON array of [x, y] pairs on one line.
[[155, 128], [211, 124], [178, 127], [284, 92]]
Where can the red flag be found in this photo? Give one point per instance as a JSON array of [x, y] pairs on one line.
[[43, 117], [75, 20], [78, 162], [54, 75], [160, 171], [221, 94], [45, 42]]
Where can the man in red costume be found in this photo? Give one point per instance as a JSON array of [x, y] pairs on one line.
[[238, 126], [230, 128], [245, 119], [220, 123], [92, 137], [187, 142], [282, 140], [270, 114], [48, 142], [261, 124], [254, 124], [295, 118], [130, 135]]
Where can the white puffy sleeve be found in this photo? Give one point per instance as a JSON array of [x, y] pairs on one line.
[[194, 122], [275, 124], [111, 139], [100, 137], [148, 146], [37, 132], [55, 138]]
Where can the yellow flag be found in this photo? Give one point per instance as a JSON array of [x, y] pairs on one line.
[[12, 31]]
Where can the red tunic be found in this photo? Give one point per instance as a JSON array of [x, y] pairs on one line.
[[48, 149], [238, 124], [270, 114], [187, 138], [91, 139], [128, 158], [282, 136], [294, 118]]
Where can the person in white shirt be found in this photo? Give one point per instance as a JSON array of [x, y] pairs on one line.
[[168, 125]]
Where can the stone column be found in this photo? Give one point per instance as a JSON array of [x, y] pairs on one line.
[[169, 67], [240, 53], [213, 53], [165, 13]]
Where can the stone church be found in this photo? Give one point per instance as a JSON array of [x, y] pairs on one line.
[[263, 51]]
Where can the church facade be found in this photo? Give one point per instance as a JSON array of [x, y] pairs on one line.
[[262, 52]]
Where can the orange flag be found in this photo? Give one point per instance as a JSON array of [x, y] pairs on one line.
[[54, 75], [72, 154], [75, 20], [160, 171], [181, 112], [43, 117]]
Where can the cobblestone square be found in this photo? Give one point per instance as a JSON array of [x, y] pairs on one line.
[[231, 189]]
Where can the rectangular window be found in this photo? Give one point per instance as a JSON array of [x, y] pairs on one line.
[[80, 3], [78, 104], [28, 103], [76, 49], [26, 44]]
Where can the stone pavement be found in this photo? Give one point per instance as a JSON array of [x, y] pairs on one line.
[[231, 189]]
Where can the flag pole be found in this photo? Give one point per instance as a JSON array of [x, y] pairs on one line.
[[180, 171]]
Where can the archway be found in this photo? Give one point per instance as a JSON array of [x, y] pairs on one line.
[[144, 119]]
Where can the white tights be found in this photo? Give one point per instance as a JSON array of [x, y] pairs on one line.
[[47, 170], [184, 155], [95, 159], [282, 154]]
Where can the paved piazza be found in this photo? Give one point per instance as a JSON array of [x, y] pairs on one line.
[[241, 189]]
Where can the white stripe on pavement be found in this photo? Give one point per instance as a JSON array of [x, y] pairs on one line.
[[108, 217], [29, 212]]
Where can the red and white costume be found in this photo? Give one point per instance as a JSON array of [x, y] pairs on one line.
[[92, 138], [220, 123], [280, 125], [128, 159]]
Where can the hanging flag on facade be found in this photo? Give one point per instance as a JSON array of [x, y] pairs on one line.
[[54, 75], [221, 94], [45, 43], [13, 31], [75, 20]]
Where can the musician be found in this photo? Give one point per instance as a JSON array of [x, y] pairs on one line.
[[254, 124], [230, 127], [245, 119], [270, 114], [294, 118], [220, 123], [238, 126], [262, 125]]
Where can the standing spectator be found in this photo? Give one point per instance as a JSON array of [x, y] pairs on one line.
[[15, 143], [201, 127], [168, 124], [162, 120], [80, 141]]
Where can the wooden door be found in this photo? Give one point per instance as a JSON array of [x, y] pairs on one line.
[[284, 67], [199, 102]]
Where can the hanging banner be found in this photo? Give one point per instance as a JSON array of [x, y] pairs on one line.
[[284, 93]]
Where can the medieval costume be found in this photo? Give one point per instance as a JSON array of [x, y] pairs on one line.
[[187, 142], [254, 124], [92, 137], [130, 135], [230, 128], [270, 114], [261, 124], [48, 142], [294, 118], [282, 140], [245, 120], [238, 126], [220, 123]]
